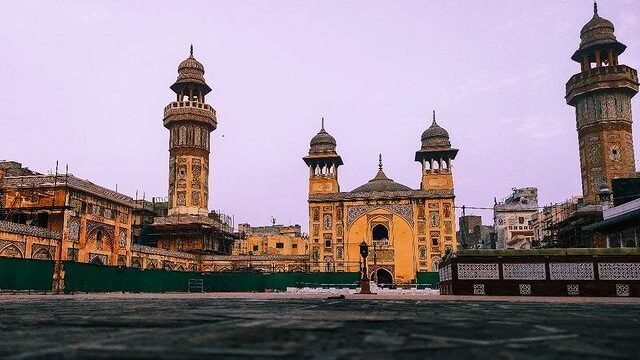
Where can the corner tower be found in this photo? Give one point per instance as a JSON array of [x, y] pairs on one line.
[[435, 155], [190, 120], [601, 94], [323, 162]]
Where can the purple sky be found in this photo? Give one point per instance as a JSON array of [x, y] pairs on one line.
[[86, 82]]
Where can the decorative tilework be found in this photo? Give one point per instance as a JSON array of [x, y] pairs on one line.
[[5, 244], [619, 271], [622, 289], [122, 240], [524, 271], [478, 289], [525, 289], [571, 271], [109, 229], [478, 271], [74, 228], [44, 252], [573, 289], [95, 258], [404, 211]]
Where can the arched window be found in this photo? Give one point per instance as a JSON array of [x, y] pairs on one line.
[[380, 233], [99, 240]]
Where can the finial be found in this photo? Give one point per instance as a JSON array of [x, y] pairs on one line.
[[322, 128], [595, 8], [434, 118], [380, 161], [191, 51]]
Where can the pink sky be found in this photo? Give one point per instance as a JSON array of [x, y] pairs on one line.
[[86, 82]]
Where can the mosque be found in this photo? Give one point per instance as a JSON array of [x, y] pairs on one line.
[[408, 230]]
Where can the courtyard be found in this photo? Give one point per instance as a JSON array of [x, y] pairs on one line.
[[301, 326]]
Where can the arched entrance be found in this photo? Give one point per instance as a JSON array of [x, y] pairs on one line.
[[384, 277]]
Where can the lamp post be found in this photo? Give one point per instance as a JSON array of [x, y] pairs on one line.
[[364, 281]]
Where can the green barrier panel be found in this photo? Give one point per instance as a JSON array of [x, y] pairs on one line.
[[81, 277], [26, 274], [98, 278], [281, 281], [234, 281], [427, 279]]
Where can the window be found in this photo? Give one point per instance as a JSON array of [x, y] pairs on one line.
[[294, 246], [99, 236], [327, 243], [255, 247], [380, 232], [521, 220], [434, 241], [279, 245]]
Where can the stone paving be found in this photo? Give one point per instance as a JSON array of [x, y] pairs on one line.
[[245, 326]]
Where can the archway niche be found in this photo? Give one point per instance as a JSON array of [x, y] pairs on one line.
[[380, 233], [384, 277]]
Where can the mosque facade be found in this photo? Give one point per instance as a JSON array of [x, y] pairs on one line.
[[407, 230]]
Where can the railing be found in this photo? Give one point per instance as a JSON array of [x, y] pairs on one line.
[[190, 104], [604, 70]]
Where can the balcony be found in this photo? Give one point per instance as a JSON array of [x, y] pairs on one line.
[[190, 111], [605, 77]]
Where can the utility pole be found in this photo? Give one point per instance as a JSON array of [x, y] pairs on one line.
[[466, 227]]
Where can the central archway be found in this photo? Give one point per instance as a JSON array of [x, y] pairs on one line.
[[383, 277]]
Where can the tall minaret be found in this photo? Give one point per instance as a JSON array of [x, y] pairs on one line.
[[190, 121], [323, 162], [435, 155], [601, 94]]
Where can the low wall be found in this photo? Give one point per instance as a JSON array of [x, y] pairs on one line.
[[583, 272], [81, 277], [26, 274]]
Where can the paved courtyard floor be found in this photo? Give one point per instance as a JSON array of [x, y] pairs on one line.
[[245, 326]]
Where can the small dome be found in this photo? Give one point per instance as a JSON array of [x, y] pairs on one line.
[[191, 70], [323, 142], [597, 30], [380, 183], [435, 136]]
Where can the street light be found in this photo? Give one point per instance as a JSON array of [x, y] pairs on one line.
[[364, 281]]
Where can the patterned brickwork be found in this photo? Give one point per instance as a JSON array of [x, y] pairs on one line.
[[478, 271], [619, 271], [571, 271], [524, 271]]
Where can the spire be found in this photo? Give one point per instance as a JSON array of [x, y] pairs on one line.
[[379, 161], [434, 118], [322, 128], [191, 51], [595, 8]]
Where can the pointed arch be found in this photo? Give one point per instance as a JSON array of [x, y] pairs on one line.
[[11, 251]]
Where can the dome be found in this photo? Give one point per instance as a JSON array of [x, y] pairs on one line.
[[597, 31], [380, 183], [190, 70], [435, 136], [323, 142]]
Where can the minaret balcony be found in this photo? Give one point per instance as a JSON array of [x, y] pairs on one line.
[[193, 111], [599, 78]]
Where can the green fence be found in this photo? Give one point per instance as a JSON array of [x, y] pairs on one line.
[[81, 277], [427, 279], [26, 274]]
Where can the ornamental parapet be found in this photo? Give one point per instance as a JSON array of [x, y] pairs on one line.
[[190, 111], [29, 230], [605, 77], [256, 258], [383, 195], [141, 249]]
